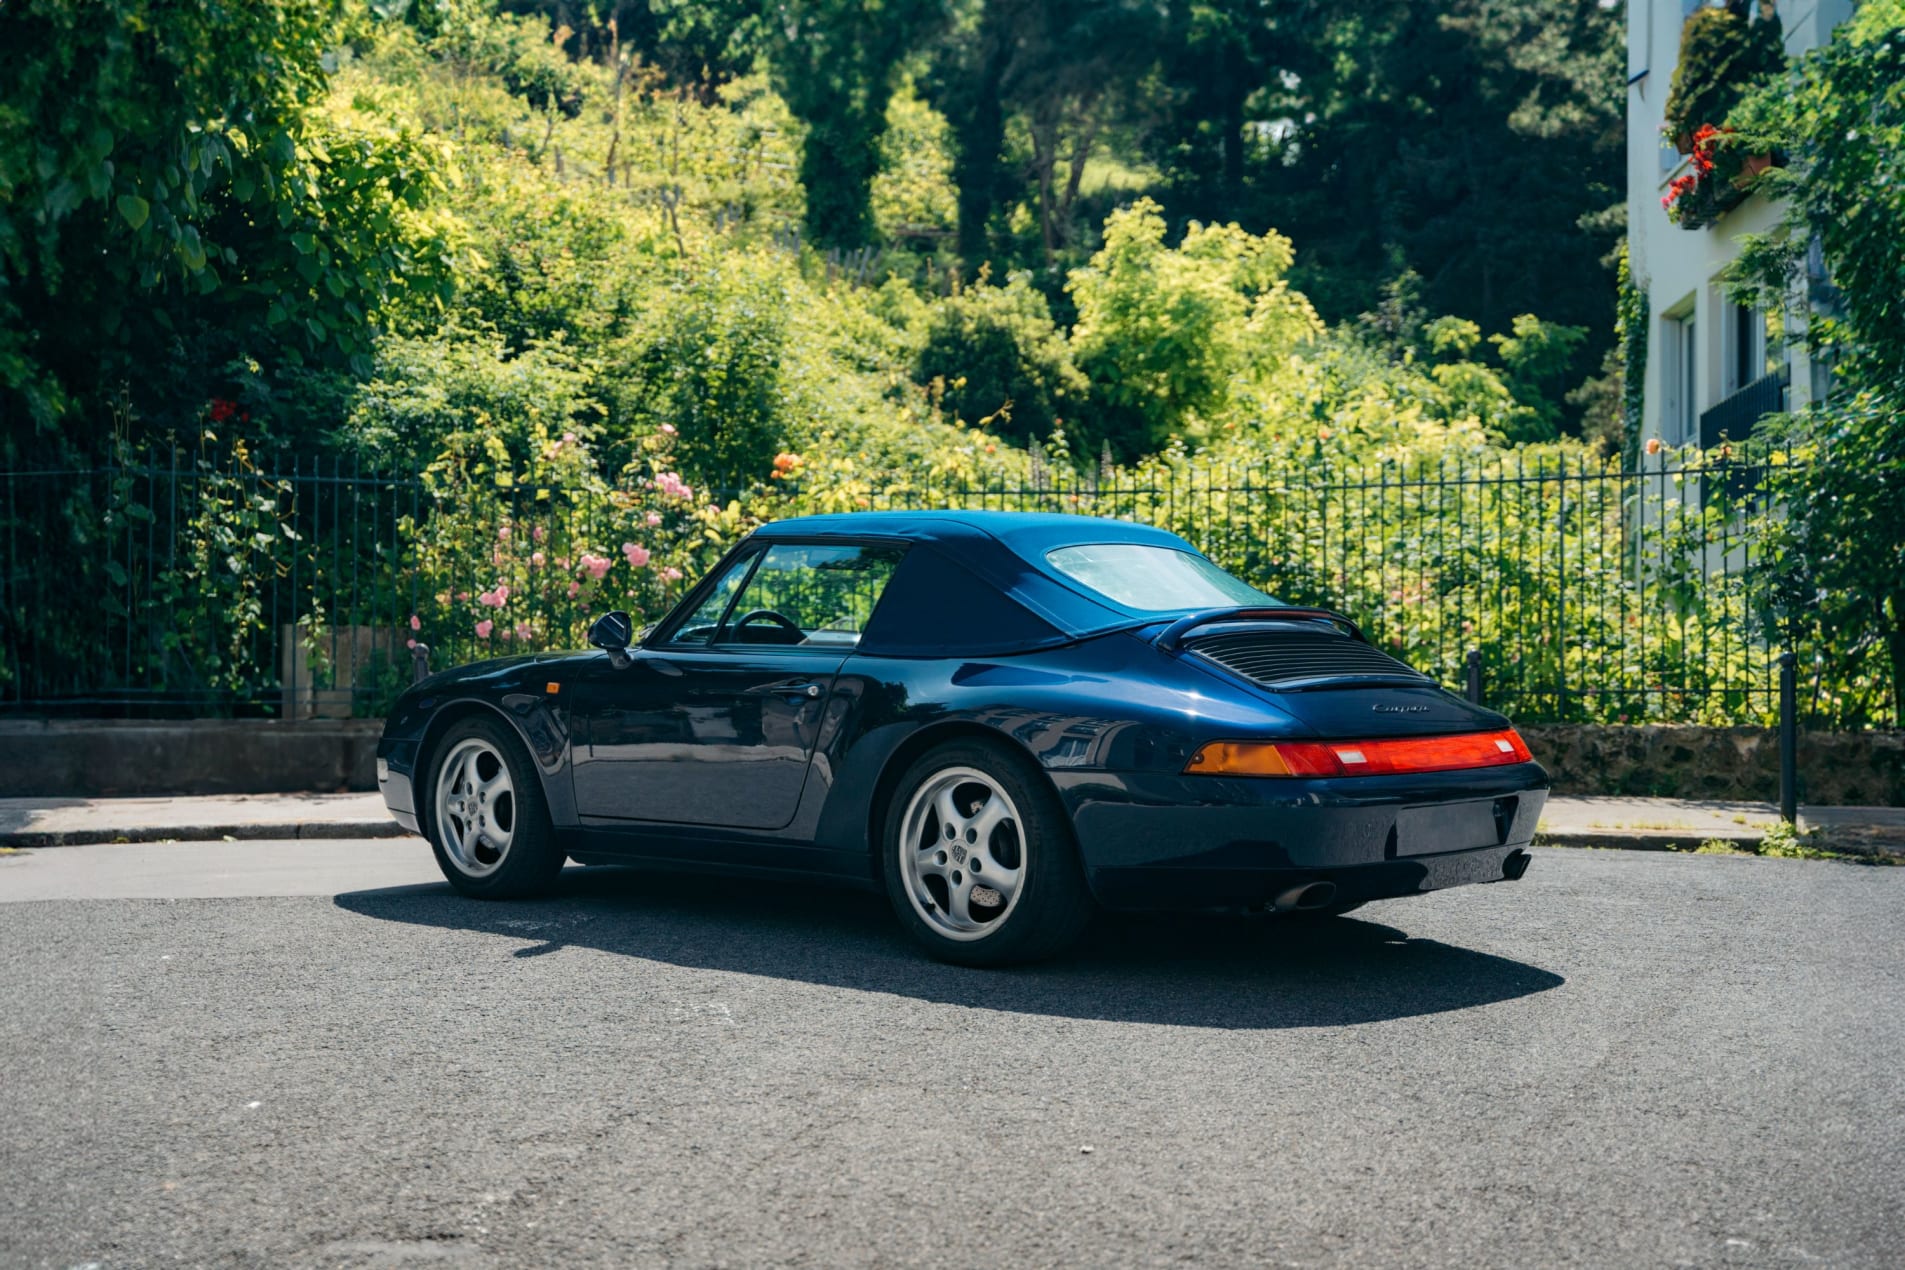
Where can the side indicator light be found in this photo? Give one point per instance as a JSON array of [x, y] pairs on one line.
[[1386, 757], [552, 687]]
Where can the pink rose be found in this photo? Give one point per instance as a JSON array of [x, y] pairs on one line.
[[637, 556], [539, 533], [575, 589], [669, 428], [537, 559], [410, 643], [568, 438], [654, 519], [523, 630], [504, 632], [484, 627], [464, 596], [596, 566], [502, 594], [416, 623], [502, 533], [671, 574]]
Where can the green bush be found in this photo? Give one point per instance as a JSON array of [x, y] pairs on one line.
[[1001, 360], [1723, 55], [1164, 333], [709, 360]]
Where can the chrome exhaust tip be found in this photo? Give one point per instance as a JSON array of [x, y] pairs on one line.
[[1516, 864], [1307, 896]]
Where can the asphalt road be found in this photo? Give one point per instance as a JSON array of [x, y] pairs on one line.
[[1625, 1059]]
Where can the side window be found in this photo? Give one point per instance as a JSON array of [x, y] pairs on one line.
[[701, 626], [810, 595]]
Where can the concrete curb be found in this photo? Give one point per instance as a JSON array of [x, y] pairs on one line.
[[1646, 839], [39, 838]]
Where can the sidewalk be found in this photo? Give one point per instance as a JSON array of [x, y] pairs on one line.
[[56, 822], [1644, 824]]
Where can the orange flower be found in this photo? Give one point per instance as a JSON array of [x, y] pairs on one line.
[[1653, 445], [785, 462]]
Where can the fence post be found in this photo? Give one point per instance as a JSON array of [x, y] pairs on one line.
[[1474, 682], [1788, 738], [419, 662]]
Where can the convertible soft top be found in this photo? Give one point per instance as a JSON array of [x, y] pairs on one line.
[[978, 584]]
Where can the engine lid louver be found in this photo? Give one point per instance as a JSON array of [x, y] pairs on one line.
[[1293, 659]]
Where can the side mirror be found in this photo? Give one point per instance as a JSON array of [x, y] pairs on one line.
[[612, 633]]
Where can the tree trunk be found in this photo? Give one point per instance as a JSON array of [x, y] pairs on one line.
[[1044, 159], [1081, 154], [981, 139]]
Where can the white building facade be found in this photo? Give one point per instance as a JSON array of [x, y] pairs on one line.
[[1712, 365]]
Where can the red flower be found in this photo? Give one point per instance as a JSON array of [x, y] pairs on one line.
[[222, 409], [1677, 187]]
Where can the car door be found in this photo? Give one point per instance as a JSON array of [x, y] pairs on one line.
[[715, 723]]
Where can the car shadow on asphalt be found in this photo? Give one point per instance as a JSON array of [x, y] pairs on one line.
[[1188, 970]]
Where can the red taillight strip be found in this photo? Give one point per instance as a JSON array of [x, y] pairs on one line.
[[1386, 756]]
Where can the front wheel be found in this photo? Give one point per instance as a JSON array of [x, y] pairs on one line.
[[980, 864], [489, 824]]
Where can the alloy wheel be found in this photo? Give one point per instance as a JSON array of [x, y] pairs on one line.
[[476, 807], [962, 853]]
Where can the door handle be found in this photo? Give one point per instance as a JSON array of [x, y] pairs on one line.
[[796, 689]]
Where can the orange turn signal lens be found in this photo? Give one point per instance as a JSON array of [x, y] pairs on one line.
[[1239, 758], [1386, 757]]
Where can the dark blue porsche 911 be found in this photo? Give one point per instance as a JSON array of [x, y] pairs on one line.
[[1006, 721]]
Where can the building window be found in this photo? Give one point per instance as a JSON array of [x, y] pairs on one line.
[[1746, 346], [1680, 416]]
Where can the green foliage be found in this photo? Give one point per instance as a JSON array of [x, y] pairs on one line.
[[1536, 356], [1164, 332], [836, 64], [1838, 552], [466, 392], [171, 180], [472, 37], [1723, 55], [708, 360], [1480, 143], [1631, 316], [1001, 360]]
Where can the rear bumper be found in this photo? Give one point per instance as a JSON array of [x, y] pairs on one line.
[[1164, 841]]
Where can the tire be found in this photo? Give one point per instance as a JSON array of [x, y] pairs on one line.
[[1007, 827], [488, 821]]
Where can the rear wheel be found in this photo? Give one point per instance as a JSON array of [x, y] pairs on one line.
[[980, 864], [489, 824]]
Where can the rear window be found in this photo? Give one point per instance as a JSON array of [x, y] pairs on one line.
[[1152, 579]]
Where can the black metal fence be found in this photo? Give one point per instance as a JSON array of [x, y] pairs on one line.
[[185, 586]]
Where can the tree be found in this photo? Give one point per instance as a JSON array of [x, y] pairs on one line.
[[1165, 333], [835, 62], [178, 200], [999, 356], [1480, 143], [1064, 69], [1839, 533]]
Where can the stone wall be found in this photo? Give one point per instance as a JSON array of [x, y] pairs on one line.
[[86, 758], [1855, 768]]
